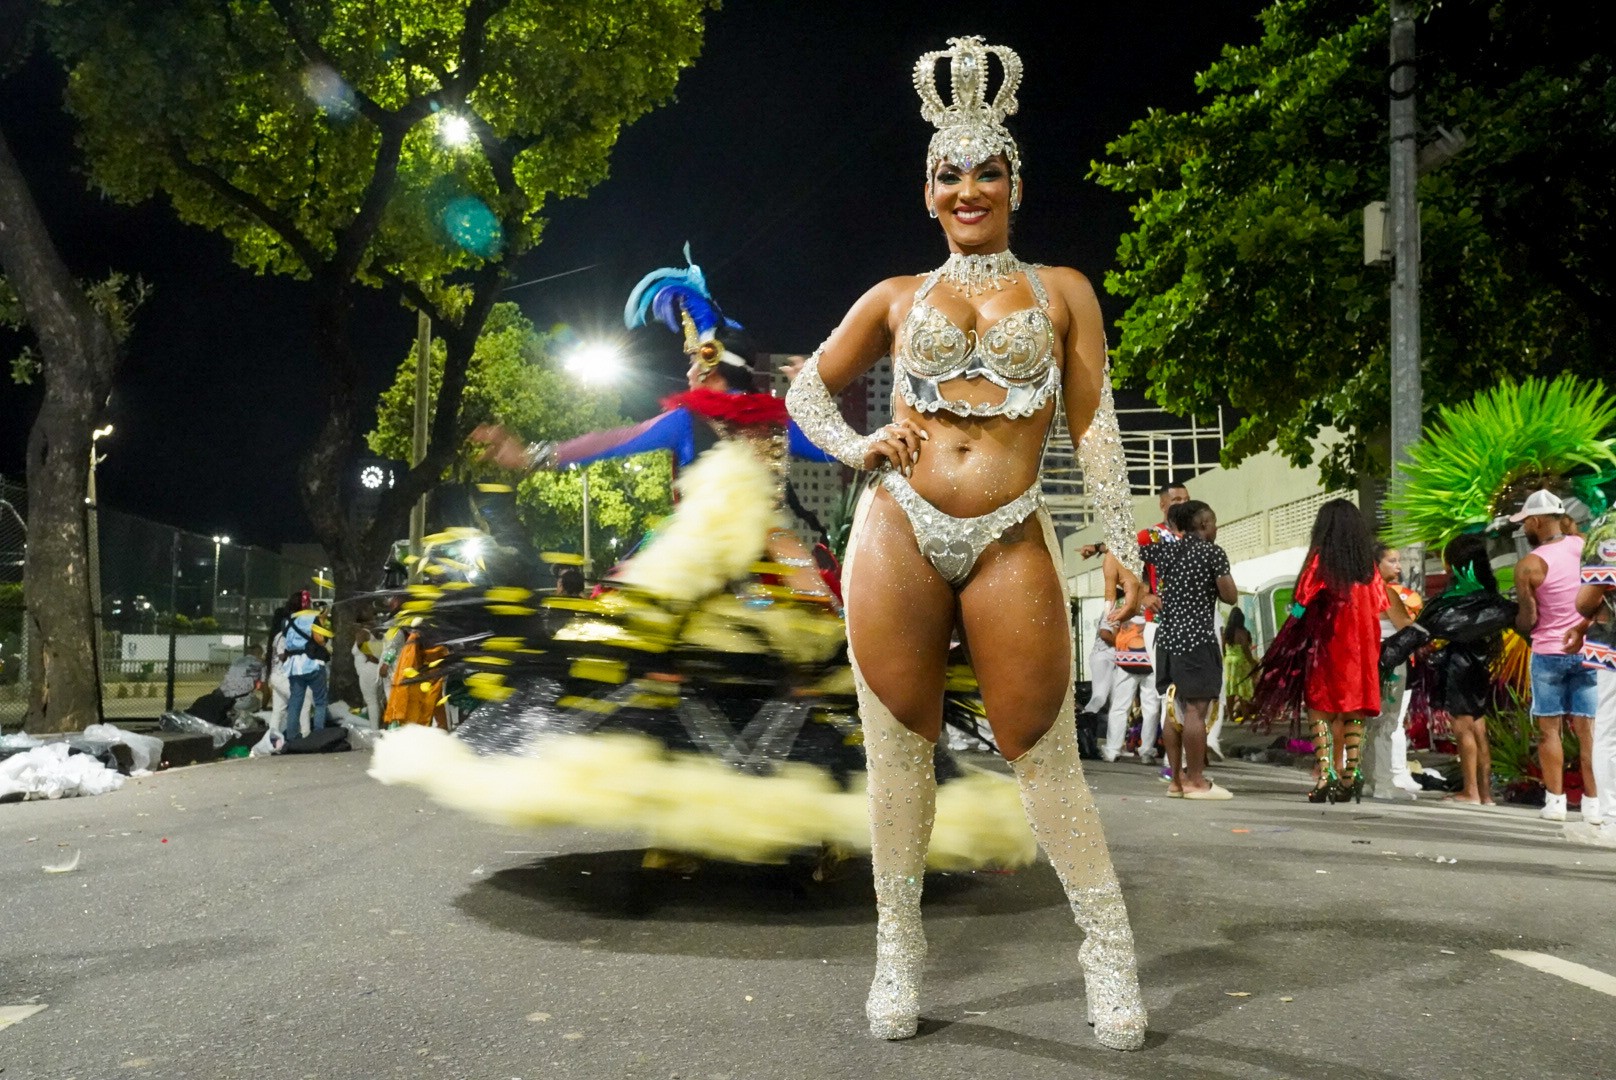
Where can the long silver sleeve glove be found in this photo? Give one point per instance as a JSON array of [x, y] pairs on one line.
[[816, 412], [1105, 477]]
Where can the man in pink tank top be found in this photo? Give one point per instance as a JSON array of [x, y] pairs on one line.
[[1546, 583]]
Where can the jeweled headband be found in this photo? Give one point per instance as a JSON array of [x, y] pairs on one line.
[[970, 128]]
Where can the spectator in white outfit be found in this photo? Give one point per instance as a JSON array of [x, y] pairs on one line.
[[1594, 638]]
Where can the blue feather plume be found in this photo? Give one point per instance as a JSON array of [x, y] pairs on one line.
[[663, 293]]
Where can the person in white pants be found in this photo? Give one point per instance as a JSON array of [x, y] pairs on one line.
[[279, 690], [1102, 667], [1594, 638], [1132, 676], [1150, 704]]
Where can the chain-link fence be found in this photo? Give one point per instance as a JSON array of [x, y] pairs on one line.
[[173, 609]]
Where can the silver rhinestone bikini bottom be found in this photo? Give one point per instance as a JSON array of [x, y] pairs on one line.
[[953, 544]]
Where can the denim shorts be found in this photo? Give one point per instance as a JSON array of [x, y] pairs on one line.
[[1561, 686]]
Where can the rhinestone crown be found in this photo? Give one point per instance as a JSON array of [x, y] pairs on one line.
[[970, 129]]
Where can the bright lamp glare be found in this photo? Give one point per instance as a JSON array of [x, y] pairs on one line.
[[596, 363], [454, 130]]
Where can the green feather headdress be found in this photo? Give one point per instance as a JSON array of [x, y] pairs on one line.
[[1481, 458]]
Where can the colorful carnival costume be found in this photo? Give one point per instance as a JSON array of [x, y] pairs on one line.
[[1326, 660], [697, 703], [1017, 355]]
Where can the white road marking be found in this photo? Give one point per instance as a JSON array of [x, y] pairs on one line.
[[1592, 978], [11, 1014]]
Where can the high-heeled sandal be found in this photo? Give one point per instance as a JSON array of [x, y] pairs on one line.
[[1349, 790], [1325, 790]]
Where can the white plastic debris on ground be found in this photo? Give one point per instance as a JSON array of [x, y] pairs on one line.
[[20, 740], [48, 772], [146, 750], [180, 720], [271, 743]]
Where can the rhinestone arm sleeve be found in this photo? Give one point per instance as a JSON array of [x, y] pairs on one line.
[[816, 412], [1105, 476]]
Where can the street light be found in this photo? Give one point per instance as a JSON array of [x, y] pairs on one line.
[[595, 363], [454, 129], [213, 604]]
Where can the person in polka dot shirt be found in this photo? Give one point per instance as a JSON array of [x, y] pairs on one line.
[[1193, 573]]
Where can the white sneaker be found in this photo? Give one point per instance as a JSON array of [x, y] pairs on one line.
[[1108, 756], [1554, 808], [1590, 811], [1407, 782]]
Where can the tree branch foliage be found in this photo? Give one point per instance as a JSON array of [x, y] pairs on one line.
[[1244, 274], [309, 132]]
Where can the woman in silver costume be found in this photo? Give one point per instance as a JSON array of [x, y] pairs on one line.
[[955, 534]]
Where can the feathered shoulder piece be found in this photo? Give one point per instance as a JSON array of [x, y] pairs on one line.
[[730, 408]]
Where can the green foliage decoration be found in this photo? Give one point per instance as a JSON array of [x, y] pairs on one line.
[[1481, 456]]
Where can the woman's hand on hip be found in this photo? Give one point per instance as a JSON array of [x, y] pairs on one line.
[[896, 445]]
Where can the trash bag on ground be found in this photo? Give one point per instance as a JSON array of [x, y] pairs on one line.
[[326, 740], [146, 750], [360, 736], [53, 771], [271, 743], [195, 725]]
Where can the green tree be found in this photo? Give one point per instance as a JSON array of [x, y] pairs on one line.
[[514, 379], [1244, 274], [403, 144], [79, 331]]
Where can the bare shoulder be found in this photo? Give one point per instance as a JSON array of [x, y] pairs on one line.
[[1070, 284]]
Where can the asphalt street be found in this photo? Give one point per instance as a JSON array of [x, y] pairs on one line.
[[290, 918]]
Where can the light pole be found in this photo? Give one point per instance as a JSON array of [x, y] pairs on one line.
[[91, 501], [593, 363], [219, 541]]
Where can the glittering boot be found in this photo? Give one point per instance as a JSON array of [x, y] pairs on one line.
[[1061, 810], [903, 801]]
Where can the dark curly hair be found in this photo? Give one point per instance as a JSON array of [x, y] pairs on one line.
[[1343, 545], [1469, 552]]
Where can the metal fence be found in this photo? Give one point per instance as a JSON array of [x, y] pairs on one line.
[[172, 609]]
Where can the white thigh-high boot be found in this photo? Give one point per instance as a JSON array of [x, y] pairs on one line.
[[901, 774], [1060, 808], [1124, 685]]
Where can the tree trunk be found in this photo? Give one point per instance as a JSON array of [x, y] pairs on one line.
[[78, 357], [63, 694]]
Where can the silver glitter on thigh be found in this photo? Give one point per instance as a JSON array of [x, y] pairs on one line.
[[1061, 810], [953, 544], [902, 780]]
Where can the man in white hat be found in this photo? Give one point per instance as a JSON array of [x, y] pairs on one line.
[[1563, 691]]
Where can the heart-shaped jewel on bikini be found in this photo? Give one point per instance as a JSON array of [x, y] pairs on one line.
[[952, 558]]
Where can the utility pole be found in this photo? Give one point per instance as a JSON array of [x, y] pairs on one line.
[[589, 564], [1407, 393], [423, 394]]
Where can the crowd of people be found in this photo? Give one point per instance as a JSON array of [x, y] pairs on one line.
[[1361, 653]]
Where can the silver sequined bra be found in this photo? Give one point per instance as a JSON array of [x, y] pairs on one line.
[[1016, 353]]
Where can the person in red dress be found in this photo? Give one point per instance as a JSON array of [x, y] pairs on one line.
[[1326, 658]]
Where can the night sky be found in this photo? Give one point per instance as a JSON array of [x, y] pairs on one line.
[[792, 160]]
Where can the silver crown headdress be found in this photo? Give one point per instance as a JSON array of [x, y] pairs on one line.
[[970, 129]]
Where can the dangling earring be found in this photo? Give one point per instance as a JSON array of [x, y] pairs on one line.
[[931, 207], [1015, 193]]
